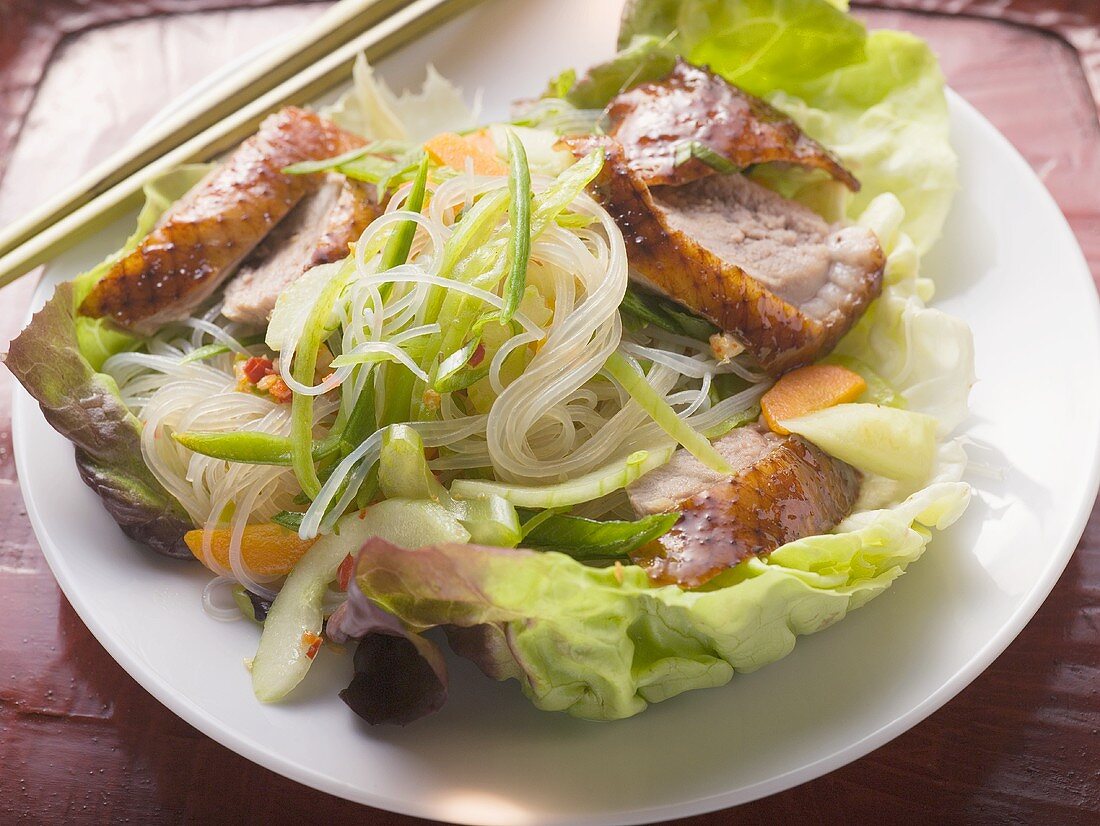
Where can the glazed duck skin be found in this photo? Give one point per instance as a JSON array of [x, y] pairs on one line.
[[203, 237], [763, 268], [783, 489], [355, 208], [317, 231], [653, 121]]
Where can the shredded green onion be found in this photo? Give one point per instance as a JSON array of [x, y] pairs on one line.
[[649, 308], [291, 520], [303, 368], [588, 539], [209, 351], [686, 150], [400, 243], [409, 163], [634, 383], [456, 360], [566, 187], [746, 416], [519, 222], [309, 167], [592, 485], [399, 380], [250, 447], [533, 518]]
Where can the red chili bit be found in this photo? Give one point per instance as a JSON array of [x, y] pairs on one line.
[[313, 643], [256, 368], [478, 356], [278, 390], [344, 572]]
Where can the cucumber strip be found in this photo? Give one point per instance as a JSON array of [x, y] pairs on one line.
[[295, 619], [582, 489]]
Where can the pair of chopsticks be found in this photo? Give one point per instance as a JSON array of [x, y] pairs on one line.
[[292, 73]]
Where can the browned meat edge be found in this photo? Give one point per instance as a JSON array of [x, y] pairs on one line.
[[356, 208]]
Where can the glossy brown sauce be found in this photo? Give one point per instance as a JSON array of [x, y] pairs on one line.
[[653, 120], [210, 230], [794, 491]]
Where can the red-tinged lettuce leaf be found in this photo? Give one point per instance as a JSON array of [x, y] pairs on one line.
[[85, 407], [399, 676]]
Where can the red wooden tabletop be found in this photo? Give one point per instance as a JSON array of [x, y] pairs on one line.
[[80, 741]]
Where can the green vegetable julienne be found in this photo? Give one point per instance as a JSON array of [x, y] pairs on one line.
[[660, 312], [303, 368], [250, 447], [291, 520], [592, 539], [519, 221], [400, 243], [399, 380], [309, 167], [634, 383], [686, 150], [209, 351], [615, 476], [454, 374]]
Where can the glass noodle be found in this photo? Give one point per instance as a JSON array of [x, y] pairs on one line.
[[536, 408]]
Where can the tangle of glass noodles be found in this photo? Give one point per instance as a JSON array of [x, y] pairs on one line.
[[170, 395], [558, 419]]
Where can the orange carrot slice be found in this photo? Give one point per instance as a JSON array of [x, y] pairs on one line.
[[267, 549], [452, 150], [808, 389], [482, 141]]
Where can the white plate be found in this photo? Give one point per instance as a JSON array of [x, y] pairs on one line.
[[1008, 264]]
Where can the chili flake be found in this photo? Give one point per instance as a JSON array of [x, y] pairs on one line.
[[312, 643]]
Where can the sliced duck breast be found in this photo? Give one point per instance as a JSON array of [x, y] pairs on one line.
[[783, 488], [661, 126], [317, 231], [764, 268], [207, 233]]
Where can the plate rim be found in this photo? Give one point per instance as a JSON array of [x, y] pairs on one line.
[[245, 746]]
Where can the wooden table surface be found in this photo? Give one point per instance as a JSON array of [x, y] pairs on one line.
[[81, 742]]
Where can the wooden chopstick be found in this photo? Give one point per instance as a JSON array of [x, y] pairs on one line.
[[241, 113], [331, 30]]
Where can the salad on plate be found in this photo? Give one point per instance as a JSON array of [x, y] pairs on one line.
[[621, 395]]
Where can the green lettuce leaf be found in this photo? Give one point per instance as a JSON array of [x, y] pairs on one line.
[[85, 407], [877, 100], [761, 45], [645, 58], [921, 352], [887, 119], [602, 643]]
